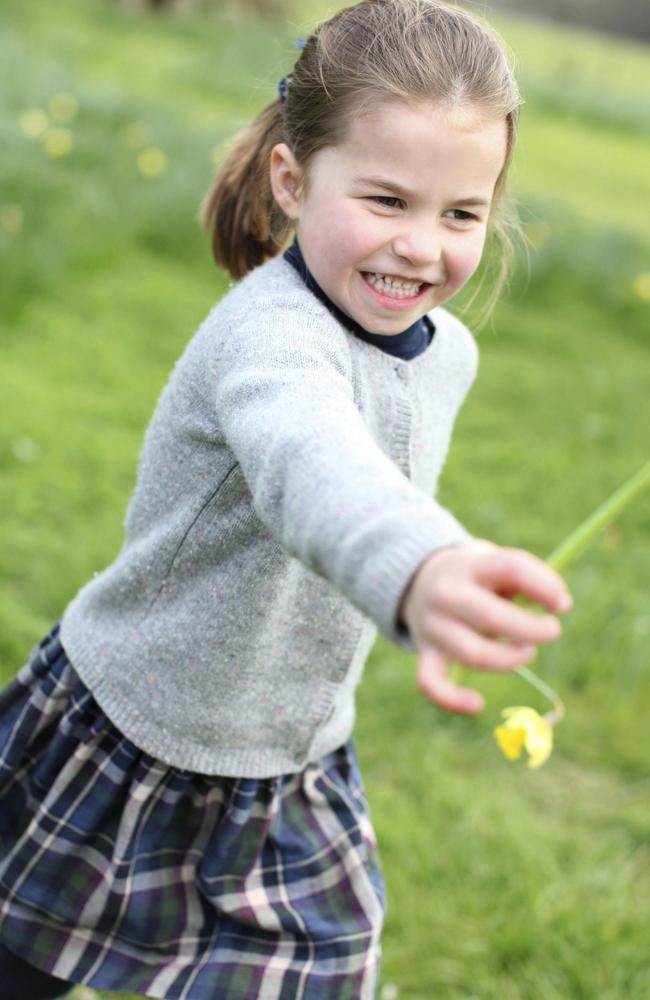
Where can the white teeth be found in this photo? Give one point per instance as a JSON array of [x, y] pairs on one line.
[[395, 287]]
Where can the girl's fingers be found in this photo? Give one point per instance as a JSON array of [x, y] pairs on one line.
[[514, 571], [496, 616], [434, 683], [458, 641]]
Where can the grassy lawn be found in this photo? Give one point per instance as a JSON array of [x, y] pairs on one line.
[[504, 884]]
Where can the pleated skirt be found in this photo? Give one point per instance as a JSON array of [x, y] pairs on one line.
[[121, 872]]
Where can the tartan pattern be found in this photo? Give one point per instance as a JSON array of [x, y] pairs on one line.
[[121, 872]]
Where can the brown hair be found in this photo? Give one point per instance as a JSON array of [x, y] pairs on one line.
[[375, 51]]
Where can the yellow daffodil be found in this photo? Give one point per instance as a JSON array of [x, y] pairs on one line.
[[58, 142], [525, 728], [33, 123], [641, 286], [152, 162], [63, 107]]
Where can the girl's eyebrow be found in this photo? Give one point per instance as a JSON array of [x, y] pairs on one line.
[[384, 182], [477, 202], [390, 185]]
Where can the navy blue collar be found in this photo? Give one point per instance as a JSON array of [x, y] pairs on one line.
[[407, 344]]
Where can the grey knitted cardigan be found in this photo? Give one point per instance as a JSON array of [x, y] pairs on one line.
[[284, 500]]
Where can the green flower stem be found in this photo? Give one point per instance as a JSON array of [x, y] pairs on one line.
[[538, 683], [574, 545], [579, 540]]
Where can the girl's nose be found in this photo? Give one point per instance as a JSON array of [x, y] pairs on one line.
[[419, 246]]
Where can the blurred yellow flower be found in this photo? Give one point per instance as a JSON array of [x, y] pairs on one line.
[[58, 142], [641, 286], [63, 107], [33, 123], [11, 218], [525, 728], [152, 162], [135, 135]]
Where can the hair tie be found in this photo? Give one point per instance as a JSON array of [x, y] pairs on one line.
[[283, 87]]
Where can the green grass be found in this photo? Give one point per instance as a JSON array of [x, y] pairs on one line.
[[504, 884]]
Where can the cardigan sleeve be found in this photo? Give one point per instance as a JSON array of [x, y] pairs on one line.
[[320, 483]]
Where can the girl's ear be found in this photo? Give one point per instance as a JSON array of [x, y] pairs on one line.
[[286, 179]]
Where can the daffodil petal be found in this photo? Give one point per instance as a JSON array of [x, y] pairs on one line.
[[511, 740], [539, 744], [521, 715]]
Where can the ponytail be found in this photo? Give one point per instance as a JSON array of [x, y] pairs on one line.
[[240, 213]]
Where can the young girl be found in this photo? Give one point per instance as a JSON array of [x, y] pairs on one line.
[[182, 815]]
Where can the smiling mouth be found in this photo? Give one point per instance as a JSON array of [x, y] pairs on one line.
[[396, 288]]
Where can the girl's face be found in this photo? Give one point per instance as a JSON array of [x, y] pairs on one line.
[[392, 221]]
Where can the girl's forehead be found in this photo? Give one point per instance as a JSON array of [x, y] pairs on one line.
[[394, 130], [401, 120]]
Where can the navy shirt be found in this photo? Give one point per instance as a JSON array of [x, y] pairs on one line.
[[407, 344]]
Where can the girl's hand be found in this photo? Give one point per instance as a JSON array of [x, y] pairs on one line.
[[458, 607]]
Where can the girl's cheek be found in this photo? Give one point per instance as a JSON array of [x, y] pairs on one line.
[[470, 261]]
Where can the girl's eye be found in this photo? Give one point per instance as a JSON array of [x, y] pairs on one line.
[[388, 201], [460, 215]]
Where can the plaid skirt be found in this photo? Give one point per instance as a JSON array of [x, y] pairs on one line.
[[123, 873]]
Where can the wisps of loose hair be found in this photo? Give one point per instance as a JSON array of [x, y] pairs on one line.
[[376, 51]]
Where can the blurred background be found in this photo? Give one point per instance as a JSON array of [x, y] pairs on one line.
[[504, 883], [628, 18]]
